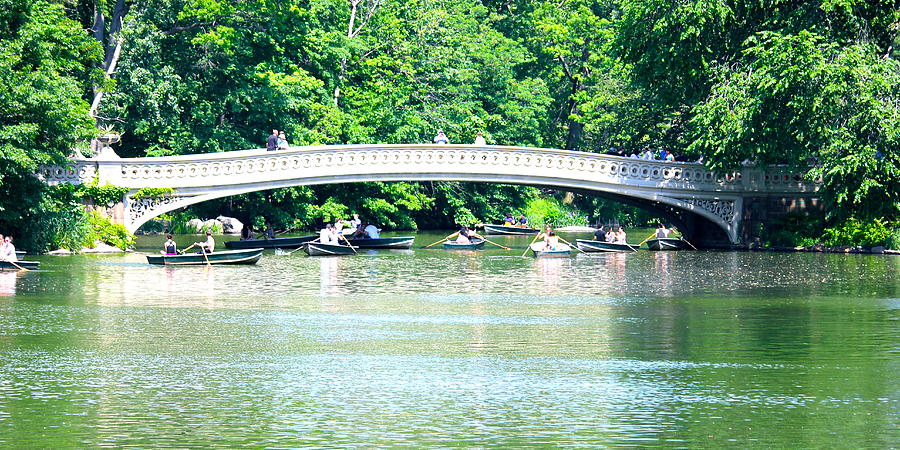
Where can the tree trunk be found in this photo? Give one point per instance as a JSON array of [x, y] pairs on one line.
[[113, 46]]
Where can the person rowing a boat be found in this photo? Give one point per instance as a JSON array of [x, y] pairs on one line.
[[170, 248], [551, 240], [8, 250], [523, 221], [360, 233], [661, 231], [508, 221], [207, 246], [464, 235], [328, 235]]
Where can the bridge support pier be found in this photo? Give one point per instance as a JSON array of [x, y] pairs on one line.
[[761, 213]]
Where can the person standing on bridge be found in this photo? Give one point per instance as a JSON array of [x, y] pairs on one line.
[[441, 138], [282, 142], [479, 139], [272, 142]]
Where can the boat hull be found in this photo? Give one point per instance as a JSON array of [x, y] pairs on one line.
[[20, 254], [666, 244], [317, 249], [287, 242], [589, 246], [561, 251], [503, 229], [30, 265], [476, 244], [250, 256], [402, 242]]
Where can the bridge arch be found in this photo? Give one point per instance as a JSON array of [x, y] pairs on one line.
[[197, 178]]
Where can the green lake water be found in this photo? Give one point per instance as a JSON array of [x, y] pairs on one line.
[[437, 348]]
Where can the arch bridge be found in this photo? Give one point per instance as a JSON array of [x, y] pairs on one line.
[[731, 203]]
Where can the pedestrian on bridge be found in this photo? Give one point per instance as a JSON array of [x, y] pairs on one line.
[[441, 138], [272, 142]]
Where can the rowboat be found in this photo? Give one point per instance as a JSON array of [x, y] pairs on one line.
[[540, 249], [503, 229], [286, 242], [30, 265], [666, 244], [319, 249], [389, 242], [475, 244], [20, 254], [250, 256], [586, 245]]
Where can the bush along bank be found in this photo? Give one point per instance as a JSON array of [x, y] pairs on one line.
[[808, 232]]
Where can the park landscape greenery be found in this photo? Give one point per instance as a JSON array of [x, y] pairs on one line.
[[814, 85]]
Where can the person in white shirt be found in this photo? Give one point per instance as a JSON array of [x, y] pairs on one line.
[[479, 139], [662, 232], [207, 246], [441, 138], [327, 235], [8, 250], [354, 223]]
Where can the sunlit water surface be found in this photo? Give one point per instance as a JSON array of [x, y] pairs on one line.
[[439, 348]]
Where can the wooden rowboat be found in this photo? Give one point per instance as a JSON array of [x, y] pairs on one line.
[[666, 244], [561, 250], [319, 249], [588, 246], [30, 265], [503, 229], [400, 242], [475, 244], [20, 254], [250, 256], [286, 242]]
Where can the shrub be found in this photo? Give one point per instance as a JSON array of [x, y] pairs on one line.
[[105, 231], [855, 232], [550, 212]]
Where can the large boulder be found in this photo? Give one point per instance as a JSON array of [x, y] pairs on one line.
[[230, 225], [214, 225], [194, 225]]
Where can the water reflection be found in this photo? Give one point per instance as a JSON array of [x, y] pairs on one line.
[[8, 281]]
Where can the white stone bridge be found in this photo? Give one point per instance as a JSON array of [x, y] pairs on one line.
[[687, 189]]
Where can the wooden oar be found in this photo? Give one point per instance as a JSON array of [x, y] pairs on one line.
[[349, 244], [489, 241], [188, 248], [17, 266], [206, 258], [299, 248], [648, 238], [442, 240], [532, 242], [688, 243], [570, 244]]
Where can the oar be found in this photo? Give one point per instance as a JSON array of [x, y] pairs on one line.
[[206, 258], [17, 266], [570, 244], [349, 244], [298, 248], [489, 241], [442, 240], [648, 238], [189, 247], [688, 243], [532, 242]]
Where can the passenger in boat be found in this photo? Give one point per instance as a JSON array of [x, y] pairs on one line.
[[508, 221], [600, 235], [170, 247], [610, 236], [621, 236], [355, 222], [360, 233], [551, 241], [247, 232], [464, 235], [8, 250], [339, 226], [661, 231], [209, 245], [523, 221], [270, 232], [328, 235], [373, 231]]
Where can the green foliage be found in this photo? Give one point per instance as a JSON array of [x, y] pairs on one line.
[[150, 192], [107, 232], [105, 195], [856, 232], [548, 211], [893, 241]]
